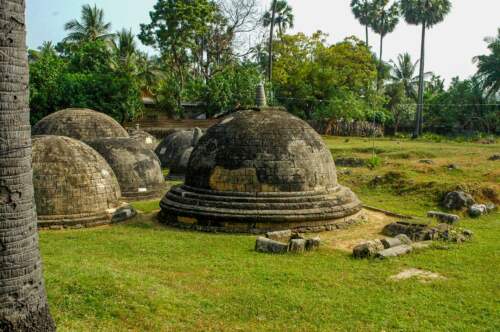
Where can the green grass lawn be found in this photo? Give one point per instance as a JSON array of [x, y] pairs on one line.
[[142, 276]]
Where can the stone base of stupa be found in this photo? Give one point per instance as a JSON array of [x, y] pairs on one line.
[[238, 212]]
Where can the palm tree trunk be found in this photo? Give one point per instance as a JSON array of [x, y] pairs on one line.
[[23, 303], [270, 63], [380, 66], [420, 107], [366, 32]]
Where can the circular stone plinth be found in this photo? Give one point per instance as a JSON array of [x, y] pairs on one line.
[[80, 124], [137, 168], [73, 184], [144, 139], [260, 170]]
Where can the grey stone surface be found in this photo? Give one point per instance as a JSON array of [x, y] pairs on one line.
[[457, 200], [144, 139], [404, 238], [477, 210], [175, 150], [73, 183], [280, 236], [297, 245], [416, 232], [137, 168], [421, 245], [394, 251], [266, 245], [123, 213], [313, 243], [444, 217], [490, 207], [367, 249], [391, 242], [81, 124], [261, 169]]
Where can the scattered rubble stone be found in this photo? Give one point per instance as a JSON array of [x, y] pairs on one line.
[[367, 249], [391, 242], [468, 234], [280, 236], [349, 162], [404, 238], [457, 200], [453, 167], [394, 251], [421, 245], [426, 161], [297, 245], [270, 246], [444, 217], [313, 243], [477, 210], [123, 213], [494, 157], [490, 207], [416, 232]]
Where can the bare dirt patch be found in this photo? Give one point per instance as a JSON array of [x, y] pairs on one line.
[[347, 239], [420, 275]]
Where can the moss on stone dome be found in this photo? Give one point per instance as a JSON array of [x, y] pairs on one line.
[[81, 124]]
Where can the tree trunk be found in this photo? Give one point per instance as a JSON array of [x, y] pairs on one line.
[[23, 303], [366, 32], [271, 33], [380, 66], [420, 107]]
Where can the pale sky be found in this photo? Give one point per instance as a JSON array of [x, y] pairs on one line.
[[451, 45]]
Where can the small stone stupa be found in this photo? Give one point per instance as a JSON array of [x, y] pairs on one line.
[[79, 123], [259, 170], [74, 185]]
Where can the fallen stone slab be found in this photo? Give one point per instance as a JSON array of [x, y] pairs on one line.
[[421, 245], [123, 213], [404, 238], [367, 249], [416, 232], [297, 246], [312, 244], [280, 236], [394, 252], [391, 242], [444, 217], [422, 275], [266, 245]]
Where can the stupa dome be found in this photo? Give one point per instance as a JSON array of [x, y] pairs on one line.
[[144, 139], [174, 151], [137, 168], [80, 124], [73, 184], [258, 170]]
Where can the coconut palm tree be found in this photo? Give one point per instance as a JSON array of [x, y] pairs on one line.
[[124, 43], [362, 10], [426, 13], [489, 66], [283, 17], [279, 14], [23, 303], [148, 72], [403, 71], [91, 27], [384, 20]]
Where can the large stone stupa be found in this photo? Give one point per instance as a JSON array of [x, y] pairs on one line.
[[258, 170]]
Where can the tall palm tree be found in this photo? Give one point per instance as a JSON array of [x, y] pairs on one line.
[[283, 17], [489, 66], [362, 10], [384, 20], [279, 14], [124, 43], [403, 71], [23, 302], [91, 27], [148, 72], [426, 13]]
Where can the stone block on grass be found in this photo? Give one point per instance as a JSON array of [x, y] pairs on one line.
[[297, 246], [270, 246], [391, 242], [394, 252], [312, 244], [280, 236], [367, 249], [444, 217]]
